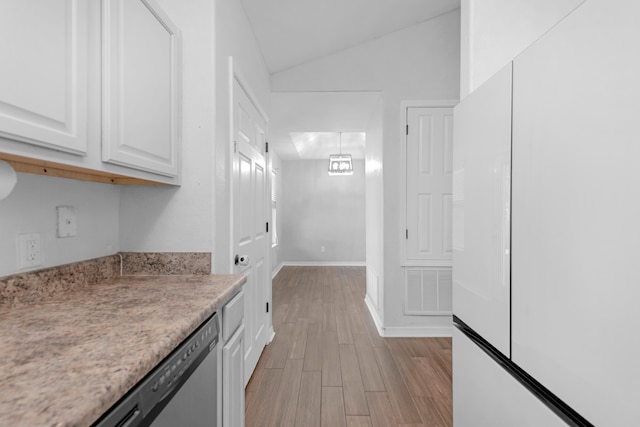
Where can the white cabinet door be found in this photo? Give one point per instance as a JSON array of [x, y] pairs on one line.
[[481, 203], [576, 146], [233, 380], [141, 86], [43, 89], [485, 395]]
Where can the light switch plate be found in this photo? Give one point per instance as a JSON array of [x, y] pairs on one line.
[[67, 222]]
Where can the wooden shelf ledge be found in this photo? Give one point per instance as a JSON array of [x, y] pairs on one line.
[[60, 170]]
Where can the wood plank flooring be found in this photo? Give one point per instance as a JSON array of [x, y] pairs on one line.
[[328, 367]]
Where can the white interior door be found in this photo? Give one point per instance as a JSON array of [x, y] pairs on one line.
[[429, 174], [250, 237]]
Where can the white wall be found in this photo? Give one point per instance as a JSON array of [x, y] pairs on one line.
[[494, 32], [179, 219], [195, 216], [234, 37], [319, 210], [158, 218], [31, 208], [420, 62], [276, 183], [374, 211]]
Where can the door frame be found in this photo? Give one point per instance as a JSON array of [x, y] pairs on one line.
[[235, 75]]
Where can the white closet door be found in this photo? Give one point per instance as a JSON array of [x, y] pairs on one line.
[[429, 168]]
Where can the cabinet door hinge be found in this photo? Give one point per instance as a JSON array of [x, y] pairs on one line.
[[266, 147], [267, 227], [406, 233], [235, 147], [267, 307], [407, 130]]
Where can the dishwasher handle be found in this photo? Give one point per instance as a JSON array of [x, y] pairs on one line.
[[126, 414], [132, 418]]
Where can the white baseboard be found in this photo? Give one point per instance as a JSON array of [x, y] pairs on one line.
[[327, 264], [374, 315], [406, 331], [277, 270]]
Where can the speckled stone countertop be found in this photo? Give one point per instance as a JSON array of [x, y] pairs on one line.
[[66, 360]]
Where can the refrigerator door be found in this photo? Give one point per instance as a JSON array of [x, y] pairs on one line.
[[481, 203], [576, 211], [485, 395]]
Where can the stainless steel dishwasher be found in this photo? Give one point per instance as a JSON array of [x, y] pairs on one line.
[[180, 391]]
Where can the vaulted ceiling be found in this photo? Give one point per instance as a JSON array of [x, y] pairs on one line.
[[293, 32]]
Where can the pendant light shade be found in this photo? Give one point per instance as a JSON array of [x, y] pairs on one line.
[[340, 164]]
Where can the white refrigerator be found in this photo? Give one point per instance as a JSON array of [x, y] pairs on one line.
[[546, 231]]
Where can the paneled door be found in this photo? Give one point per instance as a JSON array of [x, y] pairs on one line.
[[250, 236], [429, 179]]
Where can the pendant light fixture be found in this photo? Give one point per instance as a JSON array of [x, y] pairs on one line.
[[340, 164]]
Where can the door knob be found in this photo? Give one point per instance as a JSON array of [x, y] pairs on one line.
[[242, 260]]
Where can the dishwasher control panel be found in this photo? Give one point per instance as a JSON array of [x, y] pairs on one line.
[[148, 398], [176, 368]]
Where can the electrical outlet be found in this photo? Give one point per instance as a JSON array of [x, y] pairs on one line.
[[29, 250]]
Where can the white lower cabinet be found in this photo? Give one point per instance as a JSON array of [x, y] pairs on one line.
[[233, 362], [486, 395], [233, 380]]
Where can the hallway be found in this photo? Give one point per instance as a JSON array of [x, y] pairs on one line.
[[327, 365]]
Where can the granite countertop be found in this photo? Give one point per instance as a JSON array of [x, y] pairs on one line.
[[66, 360]]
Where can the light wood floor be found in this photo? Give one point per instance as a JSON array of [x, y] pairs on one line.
[[327, 365]]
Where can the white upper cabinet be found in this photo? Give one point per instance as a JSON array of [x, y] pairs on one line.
[[141, 87], [43, 88], [90, 90], [481, 209]]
